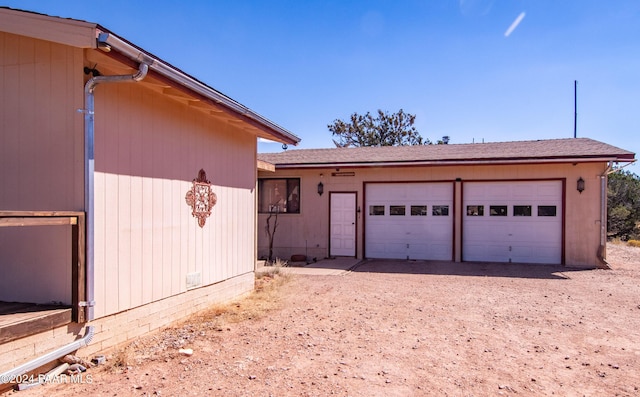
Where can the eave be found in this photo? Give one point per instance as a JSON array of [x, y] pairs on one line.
[[440, 163]]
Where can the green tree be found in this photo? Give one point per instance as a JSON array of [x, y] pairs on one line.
[[623, 203], [385, 129]]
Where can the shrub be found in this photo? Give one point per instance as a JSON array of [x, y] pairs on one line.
[[634, 243]]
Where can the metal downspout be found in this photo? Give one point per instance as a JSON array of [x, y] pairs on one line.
[[11, 375], [89, 129], [602, 252]]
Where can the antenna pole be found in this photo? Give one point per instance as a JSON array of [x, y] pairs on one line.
[[575, 108]]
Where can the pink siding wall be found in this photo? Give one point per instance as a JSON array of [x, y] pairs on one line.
[[41, 162], [148, 150], [41, 144]]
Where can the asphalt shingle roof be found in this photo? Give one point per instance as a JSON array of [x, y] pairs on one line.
[[550, 149]]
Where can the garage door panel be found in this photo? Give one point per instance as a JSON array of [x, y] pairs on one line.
[[547, 191], [439, 251], [442, 192], [522, 231], [539, 254], [418, 236], [486, 252], [478, 231], [523, 235], [392, 250]]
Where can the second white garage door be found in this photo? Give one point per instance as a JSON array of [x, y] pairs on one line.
[[512, 222], [409, 220]]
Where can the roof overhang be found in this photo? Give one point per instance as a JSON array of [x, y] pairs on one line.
[[89, 35], [44, 27], [265, 166], [436, 163], [107, 41]]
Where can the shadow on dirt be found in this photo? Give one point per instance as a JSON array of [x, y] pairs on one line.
[[477, 269]]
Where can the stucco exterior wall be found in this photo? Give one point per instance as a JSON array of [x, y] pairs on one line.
[[309, 231], [41, 163], [149, 148]]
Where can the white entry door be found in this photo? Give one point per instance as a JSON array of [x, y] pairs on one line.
[[343, 224]]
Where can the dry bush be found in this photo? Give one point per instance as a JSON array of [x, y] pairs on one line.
[[634, 243], [256, 304], [272, 268], [264, 298]]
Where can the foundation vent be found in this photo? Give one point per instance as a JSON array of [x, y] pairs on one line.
[[194, 280]]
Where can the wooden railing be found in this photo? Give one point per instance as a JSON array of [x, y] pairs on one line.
[[60, 218]]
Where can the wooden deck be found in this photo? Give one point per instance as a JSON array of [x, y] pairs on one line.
[[18, 320]]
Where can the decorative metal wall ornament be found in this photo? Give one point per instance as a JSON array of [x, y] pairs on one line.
[[201, 198]]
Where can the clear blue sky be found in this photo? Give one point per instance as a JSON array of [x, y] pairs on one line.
[[303, 64]]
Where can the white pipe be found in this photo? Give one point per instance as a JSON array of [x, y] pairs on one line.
[[11, 375], [89, 158]]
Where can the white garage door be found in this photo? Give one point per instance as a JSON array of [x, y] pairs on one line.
[[409, 220], [512, 222]]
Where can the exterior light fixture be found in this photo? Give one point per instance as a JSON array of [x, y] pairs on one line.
[[580, 186], [320, 188]]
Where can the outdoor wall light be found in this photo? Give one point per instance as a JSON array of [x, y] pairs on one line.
[[580, 186], [320, 188]]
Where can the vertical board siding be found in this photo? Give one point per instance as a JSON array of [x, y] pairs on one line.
[[148, 151], [99, 235], [136, 243], [42, 130], [41, 162], [146, 219]]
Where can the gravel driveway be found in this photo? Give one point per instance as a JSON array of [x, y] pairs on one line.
[[409, 329]]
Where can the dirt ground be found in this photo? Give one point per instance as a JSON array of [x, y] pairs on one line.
[[399, 329]]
